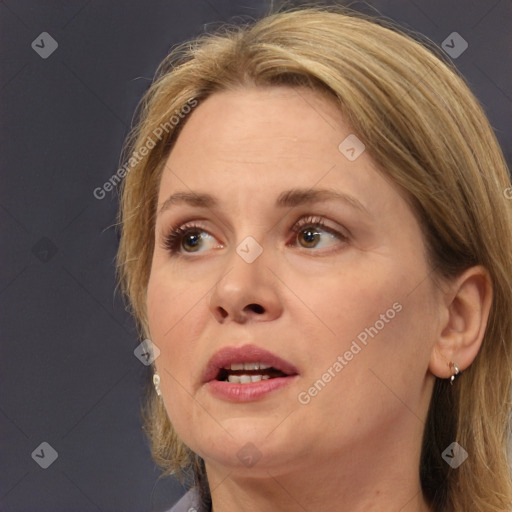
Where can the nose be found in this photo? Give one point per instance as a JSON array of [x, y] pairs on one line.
[[248, 292]]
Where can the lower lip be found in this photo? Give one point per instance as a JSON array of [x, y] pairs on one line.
[[247, 392]]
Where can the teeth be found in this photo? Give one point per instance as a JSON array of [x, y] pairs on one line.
[[246, 379], [247, 366]]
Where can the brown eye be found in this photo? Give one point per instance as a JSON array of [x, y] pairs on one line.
[[311, 232], [309, 237], [191, 242], [189, 239]]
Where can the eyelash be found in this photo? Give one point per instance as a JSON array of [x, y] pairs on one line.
[[318, 222], [176, 233]]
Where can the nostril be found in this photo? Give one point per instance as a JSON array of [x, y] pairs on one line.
[[222, 314], [256, 308]]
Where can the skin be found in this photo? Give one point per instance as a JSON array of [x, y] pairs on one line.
[[356, 445]]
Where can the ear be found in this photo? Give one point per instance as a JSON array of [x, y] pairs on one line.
[[465, 313]]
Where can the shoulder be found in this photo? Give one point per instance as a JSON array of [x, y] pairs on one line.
[[190, 502]]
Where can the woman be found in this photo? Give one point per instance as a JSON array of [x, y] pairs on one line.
[[316, 235]]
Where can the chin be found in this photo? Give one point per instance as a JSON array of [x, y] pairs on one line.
[[248, 447]]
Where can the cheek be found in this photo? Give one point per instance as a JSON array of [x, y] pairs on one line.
[[172, 303], [347, 301], [174, 323], [382, 309], [383, 334]]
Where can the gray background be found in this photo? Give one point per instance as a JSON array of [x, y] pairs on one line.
[[68, 375]]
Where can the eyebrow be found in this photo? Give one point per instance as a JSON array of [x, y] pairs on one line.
[[300, 196], [190, 198], [287, 199]]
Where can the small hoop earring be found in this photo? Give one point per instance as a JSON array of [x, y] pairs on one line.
[[156, 383], [456, 373]]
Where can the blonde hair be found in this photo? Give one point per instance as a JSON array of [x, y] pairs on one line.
[[424, 128]]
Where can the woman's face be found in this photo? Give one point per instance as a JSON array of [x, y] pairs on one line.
[[285, 237]]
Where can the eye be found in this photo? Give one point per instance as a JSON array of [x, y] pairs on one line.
[[189, 239], [312, 233]]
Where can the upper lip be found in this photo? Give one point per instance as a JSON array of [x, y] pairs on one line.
[[245, 354]]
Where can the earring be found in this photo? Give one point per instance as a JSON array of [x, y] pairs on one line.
[[456, 372], [156, 383]]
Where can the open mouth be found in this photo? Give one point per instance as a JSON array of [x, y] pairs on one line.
[[246, 365], [245, 373]]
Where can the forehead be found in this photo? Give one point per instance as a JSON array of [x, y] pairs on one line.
[[265, 135], [244, 119]]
